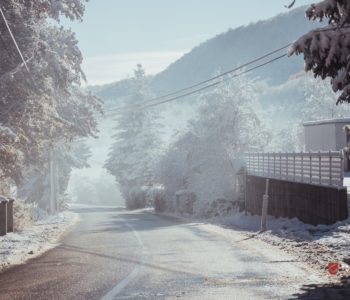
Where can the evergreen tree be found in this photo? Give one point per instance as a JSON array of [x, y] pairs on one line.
[[137, 140], [326, 51]]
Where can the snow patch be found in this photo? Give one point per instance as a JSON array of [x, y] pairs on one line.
[[16, 248]]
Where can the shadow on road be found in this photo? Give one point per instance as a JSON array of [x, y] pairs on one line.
[[84, 210], [329, 291], [71, 248], [132, 220]]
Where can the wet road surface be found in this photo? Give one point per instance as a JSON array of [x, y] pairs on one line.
[[115, 254]]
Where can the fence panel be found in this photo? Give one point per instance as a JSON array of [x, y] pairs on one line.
[[319, 168]]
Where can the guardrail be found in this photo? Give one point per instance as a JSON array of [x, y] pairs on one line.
[[320, 168]]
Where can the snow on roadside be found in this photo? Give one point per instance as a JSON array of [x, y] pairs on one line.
[[44, 234], [315, 245]]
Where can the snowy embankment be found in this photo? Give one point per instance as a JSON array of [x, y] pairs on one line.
[[315, 245], [34, 239]]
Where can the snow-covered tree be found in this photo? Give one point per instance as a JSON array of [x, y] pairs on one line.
[[326, 50], [320, 101], [41, 106], [202, 160], [137, 140], [230, 116], [36, 187]]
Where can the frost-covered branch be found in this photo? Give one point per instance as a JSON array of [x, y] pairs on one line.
[[327, 51]]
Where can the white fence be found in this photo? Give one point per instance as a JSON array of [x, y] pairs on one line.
[[320, 168]]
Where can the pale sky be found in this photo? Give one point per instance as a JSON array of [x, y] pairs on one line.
[[118, 34]]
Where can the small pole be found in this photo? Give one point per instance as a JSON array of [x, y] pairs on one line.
[[57, 182], [245, 192], [302, 166], [342, 167], [52, 184], [265, 205], [330, 168], [320, 167]]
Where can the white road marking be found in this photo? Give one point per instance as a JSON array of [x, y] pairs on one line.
[[132, 275]]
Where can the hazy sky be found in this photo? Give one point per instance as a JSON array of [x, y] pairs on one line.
[[118, 34]]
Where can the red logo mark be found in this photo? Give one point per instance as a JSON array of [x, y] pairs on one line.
[[333, 268]]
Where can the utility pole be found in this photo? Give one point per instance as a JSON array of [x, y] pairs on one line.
[[52, 184]]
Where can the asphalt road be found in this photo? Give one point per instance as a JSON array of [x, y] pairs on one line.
[[114, 254]]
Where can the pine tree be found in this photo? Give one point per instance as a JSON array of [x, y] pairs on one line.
[[326, 51], [137, 140]]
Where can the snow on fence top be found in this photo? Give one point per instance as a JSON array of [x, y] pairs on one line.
[[320, 168]]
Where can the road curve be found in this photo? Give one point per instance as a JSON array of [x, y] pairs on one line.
[[114, 254]]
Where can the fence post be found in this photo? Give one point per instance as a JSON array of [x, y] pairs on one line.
[[280, 165], [10, 227], [330, 168], [265, 205], [310, 167], [3, 216], [342, 168], [274, 165], [319, 168], [263, 163], [302, 166]]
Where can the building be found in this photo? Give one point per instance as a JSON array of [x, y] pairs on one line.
[[327, 135]]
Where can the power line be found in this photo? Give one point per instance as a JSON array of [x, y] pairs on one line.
[[14, 40], [222, 74], [148, 104], [207, 80], [203, 88], [216, 83]]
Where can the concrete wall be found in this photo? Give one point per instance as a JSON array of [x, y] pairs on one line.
[[309, 203]]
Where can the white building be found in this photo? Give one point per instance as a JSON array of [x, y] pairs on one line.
[[327, 135]]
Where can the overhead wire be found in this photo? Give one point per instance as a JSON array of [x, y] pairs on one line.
[[151, 103], [217, 82], [119, 108], [224, 73], [14, 40]]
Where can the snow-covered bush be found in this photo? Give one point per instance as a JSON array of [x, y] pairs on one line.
[[136, 198], [159, 200], [22, 215]]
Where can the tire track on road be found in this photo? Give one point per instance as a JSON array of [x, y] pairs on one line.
[[112, 294]]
